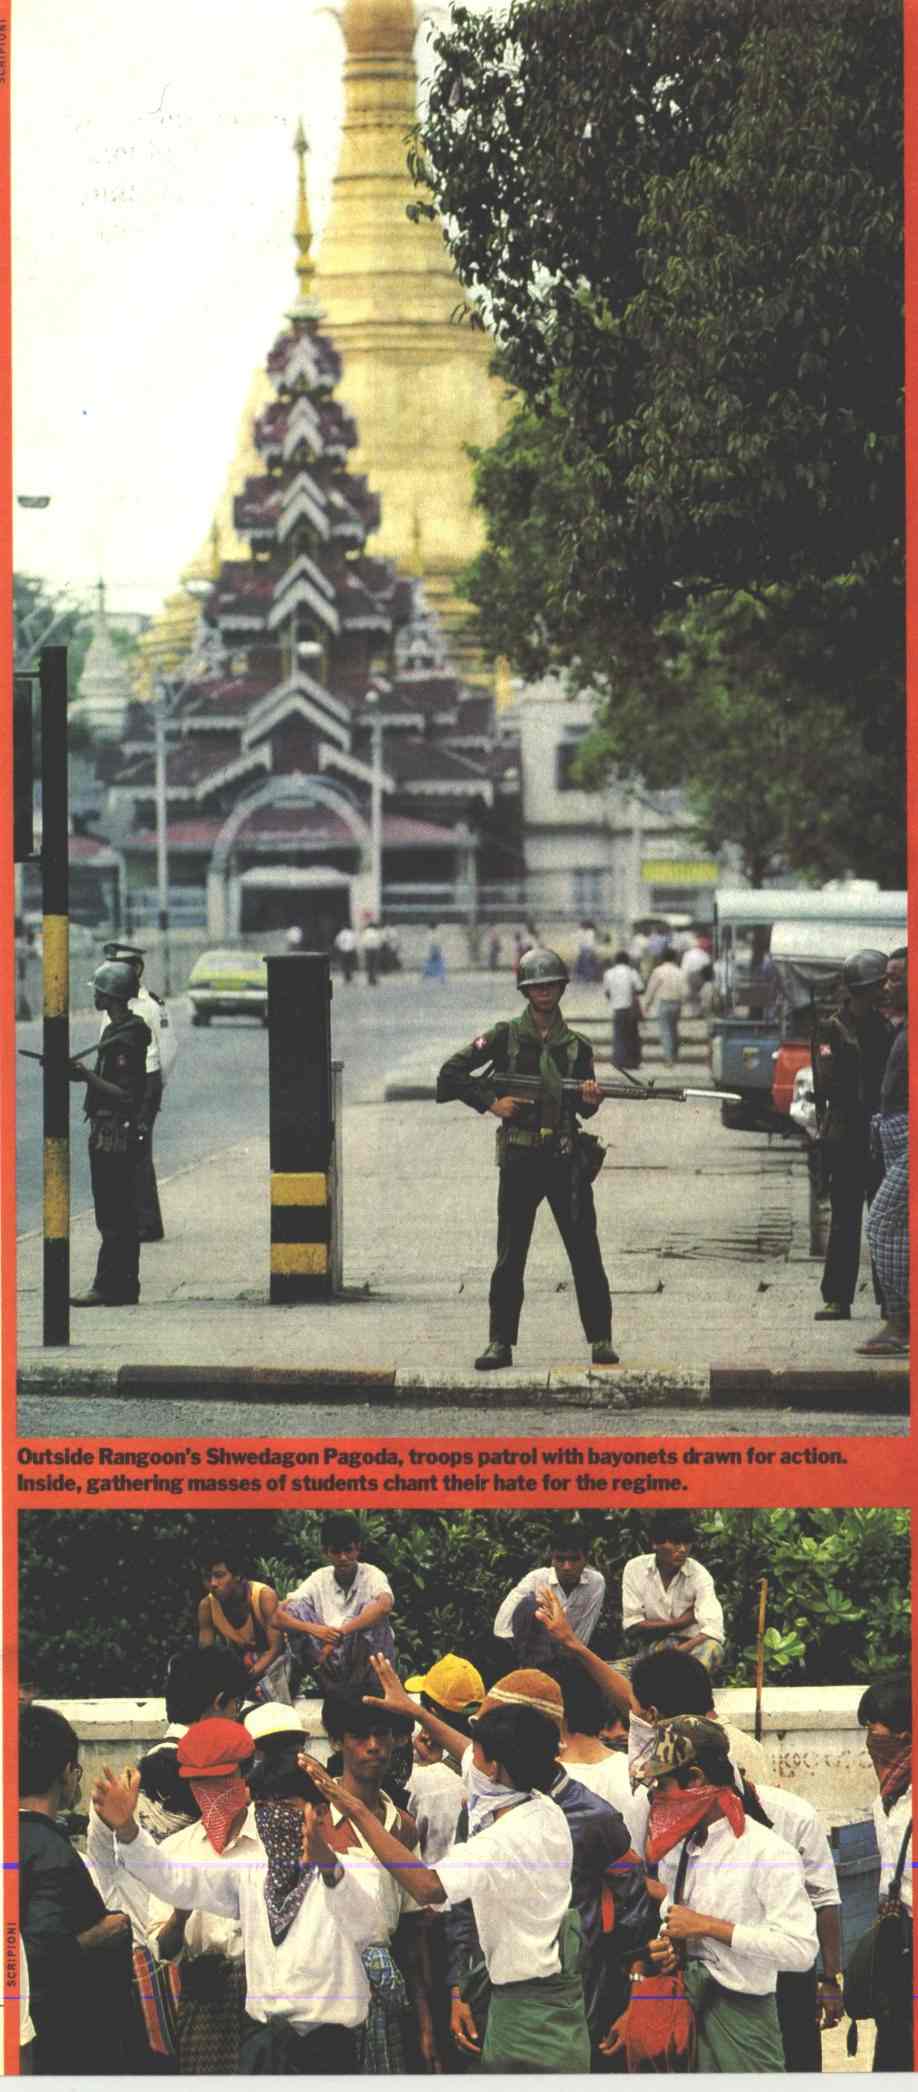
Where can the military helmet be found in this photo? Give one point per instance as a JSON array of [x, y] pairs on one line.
[[538, 966], [116, 977], [866, 969]]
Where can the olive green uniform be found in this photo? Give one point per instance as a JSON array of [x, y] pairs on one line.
[[540, 1155]]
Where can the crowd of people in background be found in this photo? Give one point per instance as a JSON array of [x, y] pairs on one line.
[[578, 1866]]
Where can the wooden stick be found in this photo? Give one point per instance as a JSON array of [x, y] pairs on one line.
[[760, 1657]]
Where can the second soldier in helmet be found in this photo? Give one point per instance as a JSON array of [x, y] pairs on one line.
[[539, 1151], [114, 1106]]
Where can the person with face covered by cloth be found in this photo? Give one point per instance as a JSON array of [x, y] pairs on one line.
[[714, 1855], [304, 1926], [114, 1107], [607, 1888], [850, 1049], [541, 1152]]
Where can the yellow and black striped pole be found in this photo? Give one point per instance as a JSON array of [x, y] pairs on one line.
[[301, 1129], [56, 972]]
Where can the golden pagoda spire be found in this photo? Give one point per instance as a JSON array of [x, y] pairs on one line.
[[417, 384], [302, 232]]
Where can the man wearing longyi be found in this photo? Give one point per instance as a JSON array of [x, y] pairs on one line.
[[515, 1869], [714, 1857]]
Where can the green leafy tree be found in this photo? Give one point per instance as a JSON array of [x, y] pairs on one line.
[[106, 1598], [685, 223]]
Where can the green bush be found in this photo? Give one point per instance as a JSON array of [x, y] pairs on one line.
[[106, 1597]]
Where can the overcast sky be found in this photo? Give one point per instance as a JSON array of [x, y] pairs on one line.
[[154, 189]]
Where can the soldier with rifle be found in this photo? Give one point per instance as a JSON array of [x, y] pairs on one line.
[[541, 1151], [536, 1077], [114, 1107]]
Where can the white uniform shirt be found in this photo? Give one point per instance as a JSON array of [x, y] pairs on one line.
[[582, 1605], [517, 1875], [890, 1832], [332, 1602], [346, 940], [436, 1796], [621, 984], [315, 1977], [646, 1597], [756, 1884]]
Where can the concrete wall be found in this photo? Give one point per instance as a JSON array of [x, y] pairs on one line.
[[810, 1734]]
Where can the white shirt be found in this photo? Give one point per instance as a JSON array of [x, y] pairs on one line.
[[333, 1604], [621, 984], [797, 1821], [667, 982], [372, 938], [517, 1875], [756, 1884], [435, 1799], [203, 1933], [609, 1777], [646, 1597], [26, 2028], [582, 1605], [345, 940], [393, 1899], [694, 959], [890, 1832], [315, 1977]]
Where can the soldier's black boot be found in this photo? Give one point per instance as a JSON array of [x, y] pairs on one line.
[[602, 1353], [494, 1354]]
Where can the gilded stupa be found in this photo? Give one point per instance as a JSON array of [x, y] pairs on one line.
[[416, 381]]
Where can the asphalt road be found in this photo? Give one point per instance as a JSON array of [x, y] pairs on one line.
[[217, 1093]]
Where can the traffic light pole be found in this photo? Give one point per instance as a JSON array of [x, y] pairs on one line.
[[56, 974]]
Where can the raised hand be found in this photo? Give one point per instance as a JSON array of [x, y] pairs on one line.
[[114, 1798], [393, 1693], [553, 1616], [329, 1789], [316, 1849]]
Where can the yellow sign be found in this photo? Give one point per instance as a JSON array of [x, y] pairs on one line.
[[679, 871]]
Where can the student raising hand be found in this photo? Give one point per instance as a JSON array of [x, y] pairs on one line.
[[316, 1850], [114, 1798], [391, 1690]]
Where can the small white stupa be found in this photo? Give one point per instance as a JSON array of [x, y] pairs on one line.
[[104, 692]]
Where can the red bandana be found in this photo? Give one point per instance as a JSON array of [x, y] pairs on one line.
[[220, 1801], [676, 1816], [892, 1763]]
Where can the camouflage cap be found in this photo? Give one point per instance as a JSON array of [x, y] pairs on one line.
[[678, 1742]]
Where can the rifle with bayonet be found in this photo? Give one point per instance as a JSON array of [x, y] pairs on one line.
[[118, 1031], [529, 1088]]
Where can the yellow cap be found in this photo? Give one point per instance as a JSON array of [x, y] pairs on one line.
[[452, 1682]]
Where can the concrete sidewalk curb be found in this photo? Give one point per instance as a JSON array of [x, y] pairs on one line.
[[702, 1389]]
